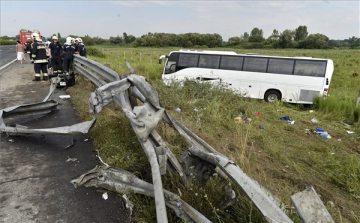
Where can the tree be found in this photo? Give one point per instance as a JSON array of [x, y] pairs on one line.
[[256, 39], [286, 39], [301, 33], [88, 40], [234, 41], [274, 36], [246, 36], [257, 32], [352, 41], [115, 40], [316, 41]]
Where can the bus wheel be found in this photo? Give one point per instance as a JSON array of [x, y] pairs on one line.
[[271, 96]]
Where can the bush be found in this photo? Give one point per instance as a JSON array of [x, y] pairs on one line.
[[91, 51], [7, 42]]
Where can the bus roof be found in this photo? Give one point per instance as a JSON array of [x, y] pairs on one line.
[[235, 54]]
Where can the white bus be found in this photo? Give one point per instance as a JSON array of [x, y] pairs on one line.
[[291, 79]]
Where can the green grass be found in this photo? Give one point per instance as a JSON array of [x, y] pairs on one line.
[[283, 158]]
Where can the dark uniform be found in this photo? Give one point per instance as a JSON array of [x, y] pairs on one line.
[[28, 45], [69, 51], [82, 50], [56, 52], [40, 60]]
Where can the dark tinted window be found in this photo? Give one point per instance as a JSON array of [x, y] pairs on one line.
[[231, 63], [281, 66], [209, 61], [188, 60], [255, 64], [310, 68]]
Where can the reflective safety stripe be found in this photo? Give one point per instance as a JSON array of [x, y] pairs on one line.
[[41, 47], [37, 75], [41, 61], [45, 74], [34, 55]]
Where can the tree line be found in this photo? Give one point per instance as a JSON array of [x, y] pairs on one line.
[[298, 38]]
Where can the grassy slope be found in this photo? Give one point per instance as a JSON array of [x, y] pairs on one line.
[[282, 157]]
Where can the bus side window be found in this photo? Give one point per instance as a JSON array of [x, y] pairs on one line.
[[310, 68], [255, 64], [187, 60], [281, 66], [231, 63], [209, 61]]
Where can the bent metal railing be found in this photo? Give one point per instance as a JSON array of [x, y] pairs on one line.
[[144, 119]]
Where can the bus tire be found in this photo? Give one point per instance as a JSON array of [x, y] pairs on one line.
[[272, 95]]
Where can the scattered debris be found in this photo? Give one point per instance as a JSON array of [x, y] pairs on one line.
[[319, 130], [258, 114], [101, 161], [310, 208], [261, 127], [350, 132], [64, 96], [71, 159], [85, 140], [105, 196], [314, 120], [72, 143], [11, 140], [307, 131], [291, 122], [178, 110], [311, 111], [285, 118], [325, 135], [238, 119]]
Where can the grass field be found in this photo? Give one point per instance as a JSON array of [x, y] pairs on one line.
[[283, 158]]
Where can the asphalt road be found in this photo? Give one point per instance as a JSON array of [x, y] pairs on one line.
[[7, 54], [34, 175]]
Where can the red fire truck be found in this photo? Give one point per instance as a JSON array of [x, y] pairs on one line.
[[25, 34]]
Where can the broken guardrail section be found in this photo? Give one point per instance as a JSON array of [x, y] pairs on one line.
[[144, 118]]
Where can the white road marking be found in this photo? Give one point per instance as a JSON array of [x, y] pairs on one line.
[[8, 64]]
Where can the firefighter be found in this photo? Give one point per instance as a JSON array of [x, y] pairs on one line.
[[69, 50], [40, 59], [56, 52], [81, 48]]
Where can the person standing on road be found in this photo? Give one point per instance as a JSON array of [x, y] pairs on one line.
[[56, 52], [20, 52], [40, 59], [69, 50]]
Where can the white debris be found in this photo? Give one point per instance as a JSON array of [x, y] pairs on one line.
[[105, 196], [314, 120], [64, 96], [350, 132], [71, 159]]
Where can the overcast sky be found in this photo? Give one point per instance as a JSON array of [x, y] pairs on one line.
[[335, 19]]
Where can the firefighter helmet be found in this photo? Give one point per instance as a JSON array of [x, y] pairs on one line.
[[79, 40], [35, 36], [68, 40], [54, 37], [72, 40]]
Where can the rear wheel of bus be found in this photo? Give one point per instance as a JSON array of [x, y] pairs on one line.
[[272, 95]]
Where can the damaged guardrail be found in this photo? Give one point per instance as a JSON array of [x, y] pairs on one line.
[[144, 118]]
